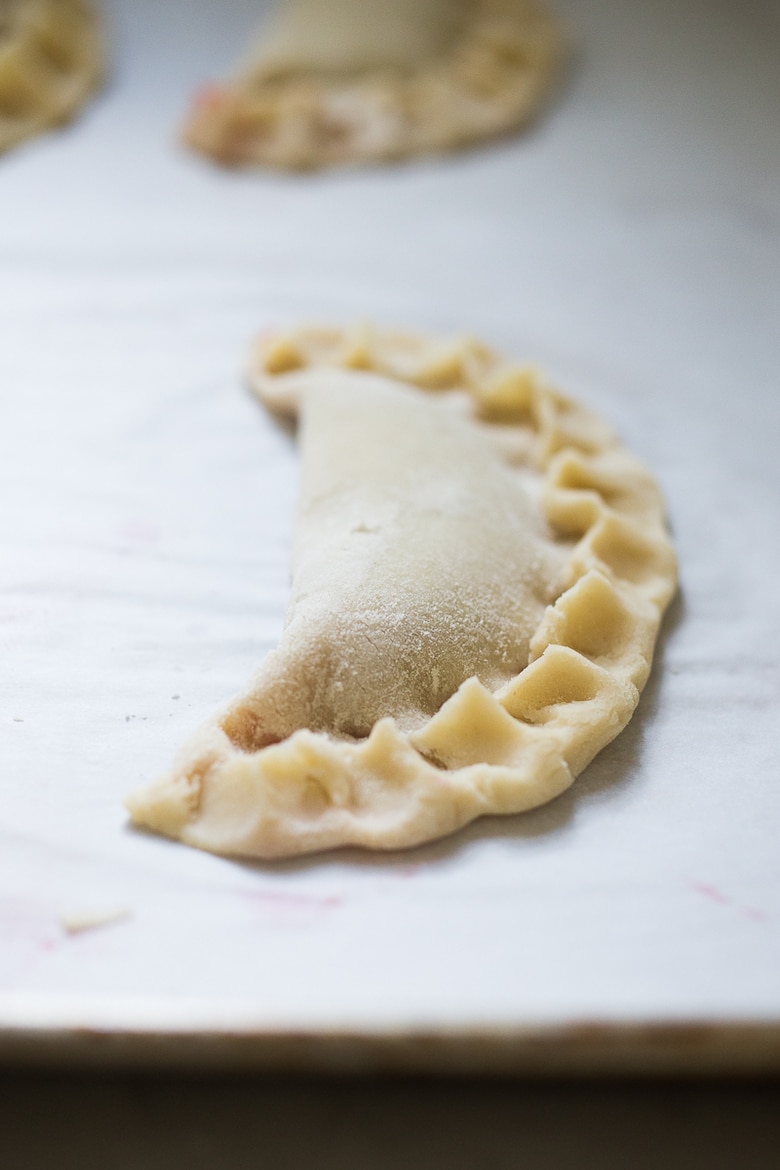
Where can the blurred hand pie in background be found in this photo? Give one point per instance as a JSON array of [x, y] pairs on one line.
[[331, 82], [51, 62]]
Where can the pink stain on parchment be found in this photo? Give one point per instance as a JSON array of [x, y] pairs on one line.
[[713, 894], [28, 933], [139, 531], [290, 908]]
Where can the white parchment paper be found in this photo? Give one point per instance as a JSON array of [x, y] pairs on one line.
[[630, 244]]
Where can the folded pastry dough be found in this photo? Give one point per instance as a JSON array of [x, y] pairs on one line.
[[479, 574], [337, 81], [51, 60]]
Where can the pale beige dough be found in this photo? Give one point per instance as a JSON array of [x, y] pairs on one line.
[[343, 36], [340, 81], [51, 62], [479, 574], [402, 509]]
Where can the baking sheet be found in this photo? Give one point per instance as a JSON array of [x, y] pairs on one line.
[[631, 245]]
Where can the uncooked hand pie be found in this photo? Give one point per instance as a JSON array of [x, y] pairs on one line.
[[51, 61], [479, 575], [339, 81]]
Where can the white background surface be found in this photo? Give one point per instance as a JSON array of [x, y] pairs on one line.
[[631, 244]]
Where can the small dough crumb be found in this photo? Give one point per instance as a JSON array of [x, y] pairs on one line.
[[77, 920]]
